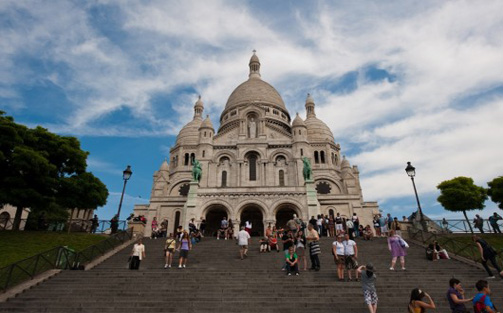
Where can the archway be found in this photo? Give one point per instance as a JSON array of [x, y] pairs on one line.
[[285, 213], [253, 214], [214, 216]]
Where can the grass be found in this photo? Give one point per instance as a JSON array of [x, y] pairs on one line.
[[461, 240], [19, 245]]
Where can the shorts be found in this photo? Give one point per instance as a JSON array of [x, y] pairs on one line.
[[243, 246], [170, 250], [370, 297], [350, 262], [341, 259], [338, 227], [384, 229], [184, 253]]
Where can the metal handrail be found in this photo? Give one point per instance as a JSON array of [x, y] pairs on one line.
[[79, 224], [461, 226], [57, 258], [453, 245]]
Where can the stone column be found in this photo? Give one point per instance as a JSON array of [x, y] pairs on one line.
[[313, 205], [190, 206]]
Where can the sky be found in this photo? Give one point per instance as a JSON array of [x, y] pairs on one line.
[[396, 81]]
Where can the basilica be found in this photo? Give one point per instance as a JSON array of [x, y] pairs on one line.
[[252, 166]]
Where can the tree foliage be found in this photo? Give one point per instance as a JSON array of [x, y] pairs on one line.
[[495, 191], [41, 169], [460, 194]]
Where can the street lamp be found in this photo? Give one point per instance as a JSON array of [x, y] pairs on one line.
[[411, 171], [126, 175]]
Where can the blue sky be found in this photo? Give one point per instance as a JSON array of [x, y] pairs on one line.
[[396, 81]]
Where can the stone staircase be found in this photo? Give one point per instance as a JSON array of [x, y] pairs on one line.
[[216, 280]]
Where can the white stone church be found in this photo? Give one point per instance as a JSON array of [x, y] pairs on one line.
[[252, 166]]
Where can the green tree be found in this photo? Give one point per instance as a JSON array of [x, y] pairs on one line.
[[495, 191], [460, 194], [39, 169]]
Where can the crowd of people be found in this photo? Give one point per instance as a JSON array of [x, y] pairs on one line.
[[298, 239]]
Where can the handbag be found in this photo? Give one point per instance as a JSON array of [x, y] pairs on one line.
[[403, 243]]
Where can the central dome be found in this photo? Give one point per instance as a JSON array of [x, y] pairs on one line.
[[255, 90]]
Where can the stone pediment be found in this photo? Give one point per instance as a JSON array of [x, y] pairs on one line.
[[229, 137]]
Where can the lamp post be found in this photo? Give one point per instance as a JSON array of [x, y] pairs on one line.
[[411, 171], [126, 174]]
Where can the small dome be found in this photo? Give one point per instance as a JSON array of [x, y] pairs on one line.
[[345, 163], [254, 58], [309, 99], [298, 122], [189, 135], [164, 166], [317, 130], [206, 123]]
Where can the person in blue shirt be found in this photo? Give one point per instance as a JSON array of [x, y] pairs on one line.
[[384, 227], [484, 292], [493, 220]]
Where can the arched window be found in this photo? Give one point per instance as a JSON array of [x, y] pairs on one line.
[[224, 179], [322, 156], [301, 152], [252, 164], [330, 212], [192, 158], [176, 161], [4, 220], [333, 158], [186, 159], [316, 157], [204, 134], [281, 177], [300, 132], [204, 152]]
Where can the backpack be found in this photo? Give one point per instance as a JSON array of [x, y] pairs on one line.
[[480, 306]]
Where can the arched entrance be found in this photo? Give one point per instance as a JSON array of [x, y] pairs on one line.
[[214, 216], [253, 214], [284, 213]]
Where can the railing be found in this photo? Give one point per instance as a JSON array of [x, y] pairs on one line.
[[90, 253], [57, 258], [454, 244], [106, 225], [461, 226], [78, 225]]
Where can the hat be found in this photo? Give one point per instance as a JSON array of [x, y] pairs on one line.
[[369, 267]]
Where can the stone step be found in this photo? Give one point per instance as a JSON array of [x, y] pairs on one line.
[[216, 280]]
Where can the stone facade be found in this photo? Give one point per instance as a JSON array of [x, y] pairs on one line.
[[252, 166]]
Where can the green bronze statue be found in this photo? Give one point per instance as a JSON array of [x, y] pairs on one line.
[[308, 171], [196, 171]]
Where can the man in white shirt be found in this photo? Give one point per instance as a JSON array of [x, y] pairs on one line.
[[243, 237], [351, 255], [137, 255]]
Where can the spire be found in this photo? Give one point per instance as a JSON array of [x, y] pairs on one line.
[[254, 66], [310, 106], [164, 166], [198, 108]]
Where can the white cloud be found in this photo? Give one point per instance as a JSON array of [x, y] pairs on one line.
[[440, 54]]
